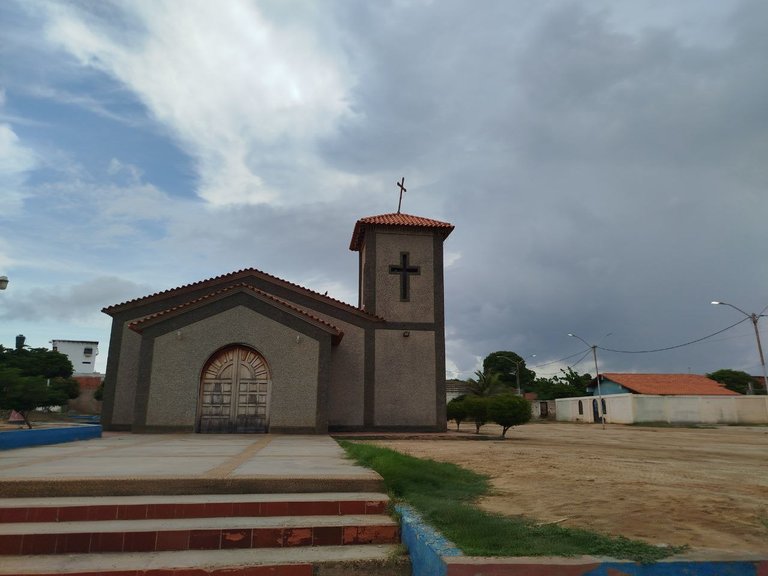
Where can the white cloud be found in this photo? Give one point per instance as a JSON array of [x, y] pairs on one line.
[[16, 161], [228, 83]]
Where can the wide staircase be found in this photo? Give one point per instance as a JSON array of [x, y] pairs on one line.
[[299, 534]]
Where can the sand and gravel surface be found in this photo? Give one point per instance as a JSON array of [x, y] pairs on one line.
[[704, 487]]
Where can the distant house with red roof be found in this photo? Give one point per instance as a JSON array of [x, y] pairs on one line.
[[250, 352], [659, 384], [670, 398]]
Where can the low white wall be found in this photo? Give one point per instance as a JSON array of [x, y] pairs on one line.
[[630, 408]]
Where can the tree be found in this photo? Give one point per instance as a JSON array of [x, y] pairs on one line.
[[735, 380], [456, 410], [573, 378], [25, 393], [486, 384], [34, 378], [508, 410], [505, 364], [477, 410], [570, 385]]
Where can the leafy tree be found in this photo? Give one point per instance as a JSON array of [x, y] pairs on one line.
[[477, 410], [34, 378], [573, 378], [457, 411], [486, 384], [505, 364], [37, 362], [98, 394], [25, 393], [735, 380], [570, 385], [508, 410]]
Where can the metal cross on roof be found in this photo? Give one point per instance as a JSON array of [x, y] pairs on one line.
[[401, 184]]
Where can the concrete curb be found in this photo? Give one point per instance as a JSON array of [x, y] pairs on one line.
[[11, 439], [432, 555]]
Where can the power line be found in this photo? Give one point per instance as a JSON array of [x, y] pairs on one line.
[[676, 346], [561, 360]]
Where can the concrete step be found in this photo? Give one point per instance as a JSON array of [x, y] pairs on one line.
[[82, 537], [372, 560], [69, 509]]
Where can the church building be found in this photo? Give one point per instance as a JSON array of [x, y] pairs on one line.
[[248, 352]]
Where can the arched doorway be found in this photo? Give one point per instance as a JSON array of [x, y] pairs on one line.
[[234, 392]]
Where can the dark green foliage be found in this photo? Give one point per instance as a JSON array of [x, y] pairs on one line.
[[508, 410], [457, 411], [37, 362], [505, 364], [98, 394], [736, 380], [69, 387], [444, 494], [486, 384], [477, 410], [34, 378], [570, 385]]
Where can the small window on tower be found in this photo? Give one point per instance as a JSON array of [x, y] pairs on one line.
[[88, 351]]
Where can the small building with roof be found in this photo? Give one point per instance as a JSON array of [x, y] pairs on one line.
[[249, 352], [664, 398], [659, 384]]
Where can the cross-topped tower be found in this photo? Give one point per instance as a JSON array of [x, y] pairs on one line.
[[401, 266]]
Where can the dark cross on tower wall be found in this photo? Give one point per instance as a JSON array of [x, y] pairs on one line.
[[404, 270], [401, 184]]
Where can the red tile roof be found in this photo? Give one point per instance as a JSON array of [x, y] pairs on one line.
[[670, 384], [395, 219], [234, 277], [139, 325]]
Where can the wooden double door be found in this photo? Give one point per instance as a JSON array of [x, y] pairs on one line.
[[234, 392]]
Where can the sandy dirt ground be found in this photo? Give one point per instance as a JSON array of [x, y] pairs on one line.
[[707, 488]]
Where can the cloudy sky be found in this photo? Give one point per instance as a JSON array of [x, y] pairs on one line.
[[605, 163]]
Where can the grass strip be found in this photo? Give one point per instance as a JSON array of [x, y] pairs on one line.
[[445, 495]]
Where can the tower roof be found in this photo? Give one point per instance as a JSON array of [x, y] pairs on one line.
[[395, 220]]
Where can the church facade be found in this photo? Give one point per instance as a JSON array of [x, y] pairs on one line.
[[248, 352]]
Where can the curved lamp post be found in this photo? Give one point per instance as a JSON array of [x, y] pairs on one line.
[[754, 318], [600, 412], [3, 282], [517, 372]]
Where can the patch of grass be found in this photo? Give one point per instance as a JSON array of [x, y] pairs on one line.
[[444, 494]]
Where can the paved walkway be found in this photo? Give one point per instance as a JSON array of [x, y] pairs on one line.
[[262, 463]]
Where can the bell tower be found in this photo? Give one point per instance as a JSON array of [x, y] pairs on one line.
[[401, 267]]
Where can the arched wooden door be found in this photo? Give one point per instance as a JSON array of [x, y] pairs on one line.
[[234, 392]]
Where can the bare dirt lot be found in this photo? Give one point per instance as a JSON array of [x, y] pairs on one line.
[[707, 488]]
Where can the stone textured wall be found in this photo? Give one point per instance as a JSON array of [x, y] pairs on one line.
[[179, 359], [420, 246], [405, 378], [127, 375]]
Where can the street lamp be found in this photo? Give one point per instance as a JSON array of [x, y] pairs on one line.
[[3, 282], [754, 318], [597, 377], [517, 372]]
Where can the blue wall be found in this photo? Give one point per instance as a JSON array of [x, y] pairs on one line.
[[40, 437]]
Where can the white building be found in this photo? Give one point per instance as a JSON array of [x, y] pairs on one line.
[[82, 354]]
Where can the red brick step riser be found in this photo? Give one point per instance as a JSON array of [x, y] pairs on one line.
[[206, 539], [187, 510], [272, 570]]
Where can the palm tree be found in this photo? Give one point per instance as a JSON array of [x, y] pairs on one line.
[[486, 384]]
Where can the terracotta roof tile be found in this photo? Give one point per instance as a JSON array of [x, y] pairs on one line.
[[236, 275], [137, 325], [395, 219], [670, 384]]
